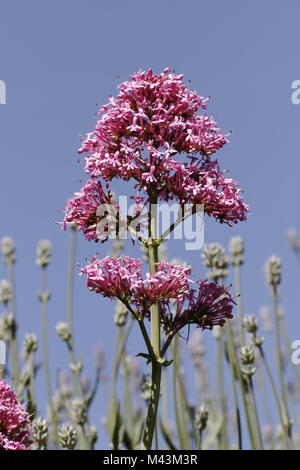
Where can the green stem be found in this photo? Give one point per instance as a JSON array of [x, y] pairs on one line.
[[45, 343], [155, 334], [70, 283], [222, 393], [230, 348], [280, 363], [256, 414], [279, 408], [239, 303], [13, 343]]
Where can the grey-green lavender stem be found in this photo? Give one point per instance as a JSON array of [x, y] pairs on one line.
[[239, 302], [256, 414], [222, 392], [230, 347], [278, 404], [70, 283], [14, 342], [45, 342], [280, 364]]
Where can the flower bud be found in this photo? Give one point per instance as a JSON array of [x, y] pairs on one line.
[[273, 270], [6, 292], [8, 327], [43, 253], [79, 409], [236, 248], [293, 239], [215, 258], [30, 344], [8, 250], [67, 437], [247, 355], [202, 415], [250, 323], [39, 432], [64, 332]]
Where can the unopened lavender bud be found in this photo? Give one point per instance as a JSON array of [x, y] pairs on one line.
[[43, 253], [266, 317], [202, 415], [6, 292], [258, 340], [250, 323], [44, 297], [79, 409], [293, 239], [99, 356], [76, 367], [8, 250], [67, 437], [215, 258], [64, 332], [236, 248], [247, 355], [30, 344], [40, 433], [273, 270], [248, 371], [8, 327]]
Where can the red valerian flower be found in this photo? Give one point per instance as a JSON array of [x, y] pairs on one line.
[[14, 421], [122, 278], [207, 306], [82, 209], [157, 113], [143, 135]]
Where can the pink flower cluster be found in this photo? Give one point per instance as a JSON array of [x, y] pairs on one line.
[[202, 182], [152, 112], [207, 306], [122, 278], [140, 135], [14, 421], [82, 209]]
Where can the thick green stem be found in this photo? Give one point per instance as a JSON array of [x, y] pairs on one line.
[[155, 334]]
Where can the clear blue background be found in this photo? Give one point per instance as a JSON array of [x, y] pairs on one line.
[[60, 58]]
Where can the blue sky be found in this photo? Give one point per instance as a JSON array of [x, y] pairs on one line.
[[59, 59]]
